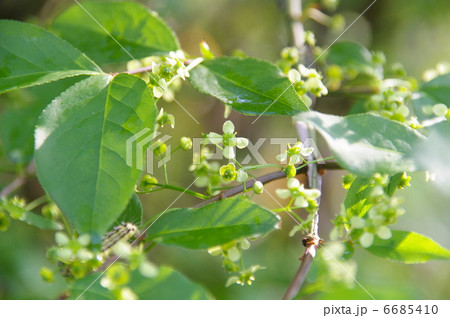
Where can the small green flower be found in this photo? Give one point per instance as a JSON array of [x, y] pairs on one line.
[[165, 118], [296, 153], [228, 140], [404, 181], [159, 148], [304, 198], [228, 172]]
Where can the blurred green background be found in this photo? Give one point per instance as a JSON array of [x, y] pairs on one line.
[[412, 32]]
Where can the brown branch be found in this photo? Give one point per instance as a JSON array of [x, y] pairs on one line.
[[18, 181], [265, 179], [302, 271], [312, 240]]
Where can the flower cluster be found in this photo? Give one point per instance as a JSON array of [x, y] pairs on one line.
[[232, 253], [206, 172], [119, 274], [302, 198], [380, 210], [391, 102], [74, 255], [166, 73]]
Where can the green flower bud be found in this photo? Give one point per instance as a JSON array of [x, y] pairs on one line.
[[147, 182], [205, 50], [159, 148], [290, 171], [290, 54], [185, 143], [47, 275], [378, 58], [404, 181], [337, 23], [50, 211], [229, 266], [347, 180], [310, 38], [258, 187]]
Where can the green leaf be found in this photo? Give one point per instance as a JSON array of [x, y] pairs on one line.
[[16, 132], [409, 248], [211, 225], [17, 123], [168, 285], [430, 93], [433, 155], [356, 203], [132, 213], [28, 217], [365, 143], [111, 32], [250, 86], [438, 89], [32, 56], [81, 148], [351, 56], [393, 184]]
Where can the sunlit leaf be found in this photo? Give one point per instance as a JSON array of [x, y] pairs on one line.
[[250, 86], [81, 148], [409, 248], [211, 225]]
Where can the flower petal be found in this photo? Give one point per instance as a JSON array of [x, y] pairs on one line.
[[282, 157], [214, 138], [293, 183], [283, 193], [228, 152], [301, 202], [242, 176], [228, 127], [241, 142]]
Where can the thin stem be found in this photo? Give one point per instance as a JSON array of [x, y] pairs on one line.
[[266, 179], [175, 188], [175, 149], [33, 204], [66, 225], [269, 165], [166, 179]]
